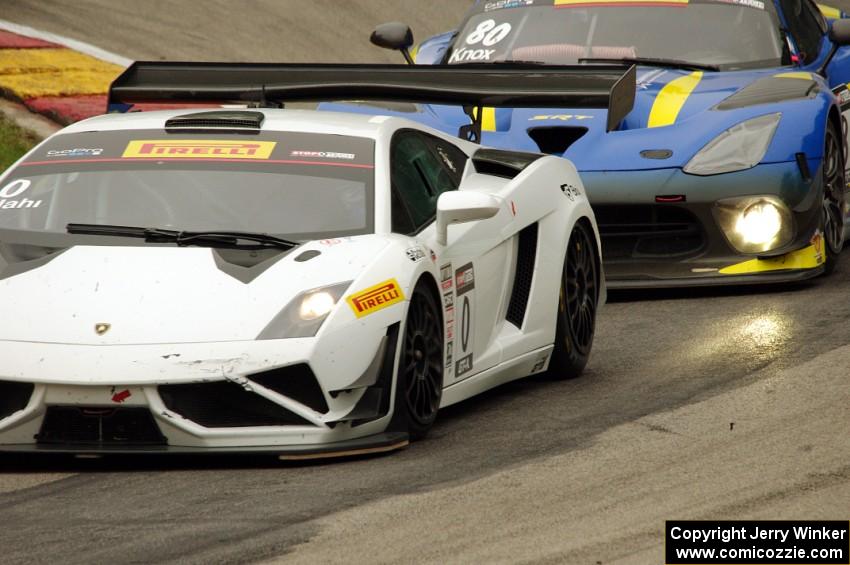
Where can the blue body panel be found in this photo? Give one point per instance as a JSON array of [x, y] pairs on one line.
[[616, 173], [801, 129]]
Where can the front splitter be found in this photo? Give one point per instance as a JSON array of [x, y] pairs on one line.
[[371, 445], [714, 281]]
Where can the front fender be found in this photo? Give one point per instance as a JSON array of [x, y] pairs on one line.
[[376, 300], [433, 50]]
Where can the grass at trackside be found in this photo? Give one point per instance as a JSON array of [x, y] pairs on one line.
[[14, 142]]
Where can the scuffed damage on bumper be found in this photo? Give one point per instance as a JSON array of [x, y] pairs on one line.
[[298, 398]]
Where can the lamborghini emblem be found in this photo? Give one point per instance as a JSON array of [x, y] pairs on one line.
[[101, 329]]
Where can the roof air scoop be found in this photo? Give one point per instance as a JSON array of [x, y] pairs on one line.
[[556, 140], [217, 120]]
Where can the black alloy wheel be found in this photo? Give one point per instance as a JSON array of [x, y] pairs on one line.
[[420, 375], [834, 186], [579, 301]]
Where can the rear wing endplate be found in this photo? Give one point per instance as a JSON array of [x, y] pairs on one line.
[[470, 86]]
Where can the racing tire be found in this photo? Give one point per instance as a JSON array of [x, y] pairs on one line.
[[419, 380], [577, 306], [834, 183]]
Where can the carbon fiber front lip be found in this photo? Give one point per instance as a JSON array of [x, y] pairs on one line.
[[713, 281], [378, 443]]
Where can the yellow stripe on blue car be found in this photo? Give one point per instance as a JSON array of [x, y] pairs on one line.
[[830, 12], [670, 101]]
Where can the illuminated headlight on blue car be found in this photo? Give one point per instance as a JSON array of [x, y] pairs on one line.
[[737, 149], [755, 224]]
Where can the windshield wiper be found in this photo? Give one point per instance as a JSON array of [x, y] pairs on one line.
[[224, 239], [667, 63]]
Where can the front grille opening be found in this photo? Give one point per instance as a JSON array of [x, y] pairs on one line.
[[99, 426], [556, 140], [524, 276], [226, 405], [296, 382], [649, 232], [14, 397]]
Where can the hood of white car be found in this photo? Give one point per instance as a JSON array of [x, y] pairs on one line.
[[103, 295]]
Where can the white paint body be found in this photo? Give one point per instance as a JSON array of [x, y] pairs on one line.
[[176, 318]]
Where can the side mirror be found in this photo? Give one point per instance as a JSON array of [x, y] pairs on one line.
[[457, 207], [396, 36], [839, 33]]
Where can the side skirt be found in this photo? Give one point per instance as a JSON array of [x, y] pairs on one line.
[[520, 367]]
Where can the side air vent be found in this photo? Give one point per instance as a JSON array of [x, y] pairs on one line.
[[557, 139], [296, 382], [226, 405], [505, 164], [524, 276], [218, 120], [14, 397]]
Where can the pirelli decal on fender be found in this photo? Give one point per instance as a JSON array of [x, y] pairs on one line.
[[376, 298], [201, 149]]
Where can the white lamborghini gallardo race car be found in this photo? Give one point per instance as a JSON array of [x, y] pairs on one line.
[[286, 281]]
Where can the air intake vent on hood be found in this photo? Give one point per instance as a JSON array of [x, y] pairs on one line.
[[557, 139], [770, 91], [218, 120]]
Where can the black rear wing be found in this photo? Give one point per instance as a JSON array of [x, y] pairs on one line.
[[470, 86]]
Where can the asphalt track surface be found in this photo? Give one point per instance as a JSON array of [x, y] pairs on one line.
[[696, 405]]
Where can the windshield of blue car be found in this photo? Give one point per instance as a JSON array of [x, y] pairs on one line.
[[294, 185], [731, 34]]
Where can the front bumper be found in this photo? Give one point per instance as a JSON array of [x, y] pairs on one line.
[[658, 227], [238, 397]]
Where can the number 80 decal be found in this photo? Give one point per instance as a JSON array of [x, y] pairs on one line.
[[487, 34]]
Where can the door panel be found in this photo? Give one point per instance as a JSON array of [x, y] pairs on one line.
[[474, 276]]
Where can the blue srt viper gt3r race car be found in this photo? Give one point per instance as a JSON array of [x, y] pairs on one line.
[[731, 166]]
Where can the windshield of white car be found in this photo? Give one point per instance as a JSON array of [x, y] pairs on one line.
[[292, 185], [729, 34]]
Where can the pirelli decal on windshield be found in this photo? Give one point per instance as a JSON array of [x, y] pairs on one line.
[[376, 298], [641, 3], [201, 149]]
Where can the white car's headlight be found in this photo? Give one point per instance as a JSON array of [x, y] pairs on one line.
[[736, 149], [316, 305], [304, 316], [755, 224]]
